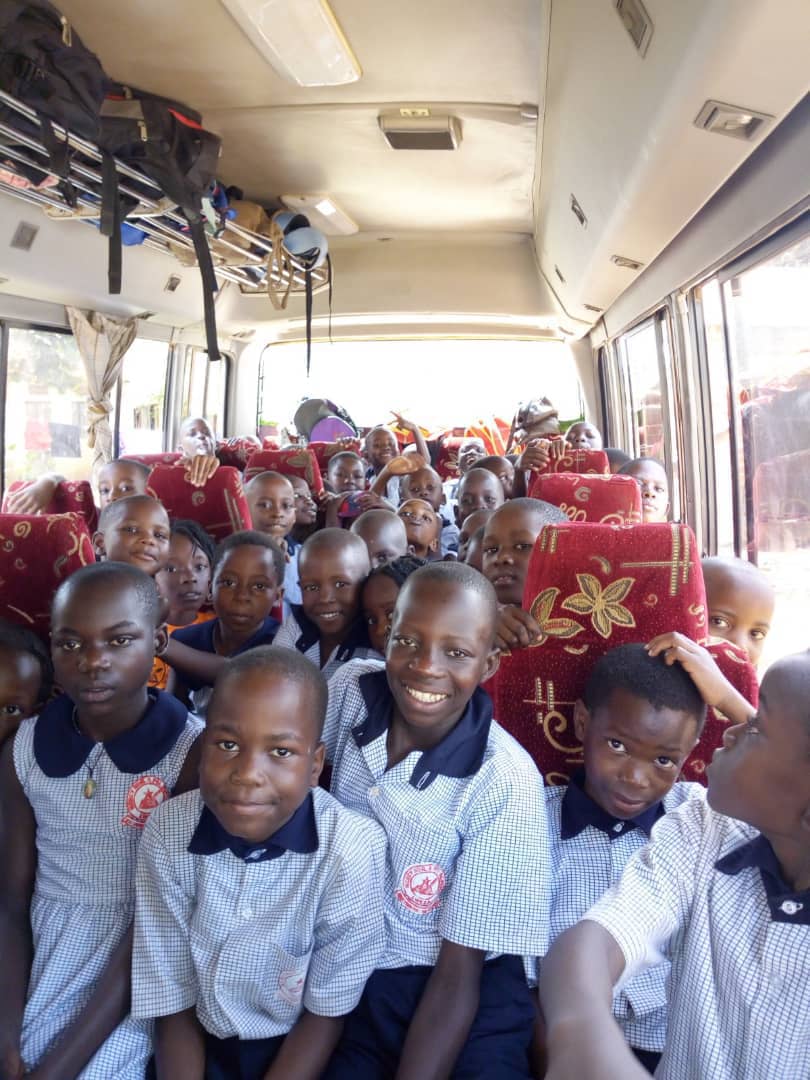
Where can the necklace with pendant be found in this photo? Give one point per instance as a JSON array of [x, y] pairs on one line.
[[90, 784]]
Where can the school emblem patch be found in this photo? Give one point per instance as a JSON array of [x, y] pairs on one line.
[[291, 986], [145, 795], [420, 887]]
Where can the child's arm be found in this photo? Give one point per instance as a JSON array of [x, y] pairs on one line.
[[515, 629], [200, 468], [452, 993], [179, 1046], [19, 860], [34, 497], [714, 687], [576, 988], [402, 465], [202, 667], [418, 437], [306, 1049]]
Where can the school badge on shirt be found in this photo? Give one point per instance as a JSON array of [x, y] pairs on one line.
[[145, 795], [420, 887]]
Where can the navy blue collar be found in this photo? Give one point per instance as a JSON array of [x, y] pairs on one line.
[[786, 905], [299, 834], [460, 752], [61, 749], [357, 637], [579, 810]]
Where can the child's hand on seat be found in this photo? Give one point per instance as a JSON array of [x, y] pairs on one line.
[[536, 456], [714, 687], [33, 498], [200, 468], [368, 500], [515, 629]]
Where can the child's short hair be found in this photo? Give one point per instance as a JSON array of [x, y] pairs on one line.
[[630, 464], [139, 466], [114, 511], [399, 570], [344, 455], [547, 512], [113, 573], [616, 457], [251, 538], [19, 639], [196, 536], [630, 667], [458, 573], [287, 662]]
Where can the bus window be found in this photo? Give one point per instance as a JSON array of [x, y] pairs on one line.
[[716, 360], [204, 388], [438, 384], [46, 407], [142, 389], [768, 331]]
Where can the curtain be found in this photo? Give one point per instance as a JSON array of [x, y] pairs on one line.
[[103, 341]]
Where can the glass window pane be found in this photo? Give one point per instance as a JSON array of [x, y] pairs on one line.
[[438, 384], [640, 348], [204, 384], [768, 332], [143, 385], [719, 391], [46, 407]]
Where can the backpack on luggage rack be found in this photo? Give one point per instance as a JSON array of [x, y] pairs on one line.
[[45, 65], [165, 141]]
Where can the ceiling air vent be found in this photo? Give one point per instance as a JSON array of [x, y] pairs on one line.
[[731, 120], [637, 23], [420, 132], [625, 262], [24, 236]]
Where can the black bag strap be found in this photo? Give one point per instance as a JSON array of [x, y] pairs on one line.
[[209, 284], [58, 158], [110, 221]]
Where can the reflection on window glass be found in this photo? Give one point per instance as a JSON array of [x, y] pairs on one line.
[[438, 384], [719, 394], [640, 348], [769, 338], [204, 385], [143, 385], [46, 407]]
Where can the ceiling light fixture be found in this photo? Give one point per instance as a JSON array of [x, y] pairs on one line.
[[323, 213], [302, 39]]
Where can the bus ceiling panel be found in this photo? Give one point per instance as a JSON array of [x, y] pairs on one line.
[[620, 145], [471, 282]]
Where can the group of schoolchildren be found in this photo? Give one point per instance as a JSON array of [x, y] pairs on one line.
[[183, 898]]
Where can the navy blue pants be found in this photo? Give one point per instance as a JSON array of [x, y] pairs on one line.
[[497, 1047], [239, 1059]]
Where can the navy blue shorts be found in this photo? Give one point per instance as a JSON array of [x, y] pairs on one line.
[[239, 1059], [497, 1047]]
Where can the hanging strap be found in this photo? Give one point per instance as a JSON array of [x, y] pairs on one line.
[[308, 291], [58, 158], [209, 284], [110, 221]]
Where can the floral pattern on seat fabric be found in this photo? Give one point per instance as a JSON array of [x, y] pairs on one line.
[[606, 500], [220, 506]]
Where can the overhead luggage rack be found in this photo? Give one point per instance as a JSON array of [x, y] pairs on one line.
[[239, 255]]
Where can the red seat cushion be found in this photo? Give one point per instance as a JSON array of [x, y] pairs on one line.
[[446, 464], [609, 500], [37, 553], [70, 497], [324, 451], [235, 452], [579, 461], [270, 444], [297, 461], [169, 458], [220, 506]]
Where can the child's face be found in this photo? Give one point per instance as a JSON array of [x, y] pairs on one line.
[[475, 551], [196, 438], [652, 480], [385, 537], [535, 419], [470, 451], [305, 509], [260, 754], [381, 446], [423, 527], [272, 505], [479, 490], [633, 752], [185, 580], [331, 581], [584, 436], [117, 479], [380, 594], [245, 589], [140, 536], [472, 523], [760, 775], [509, 539], [440, 649], [424, 484], [740, 606], [505, 471], [20, 679], [103, 645], [346, 473]]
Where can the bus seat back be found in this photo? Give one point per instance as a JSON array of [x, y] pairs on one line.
[[605, 500], [220, 506]]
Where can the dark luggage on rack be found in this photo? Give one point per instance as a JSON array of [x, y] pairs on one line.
[[46, 66], [165, 141]]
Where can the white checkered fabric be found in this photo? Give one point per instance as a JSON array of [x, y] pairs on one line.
[[290, 631]]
